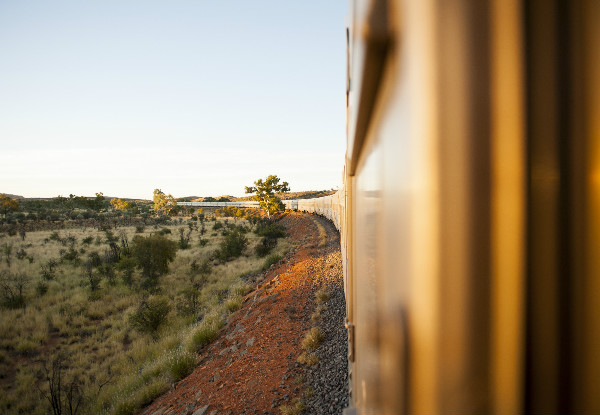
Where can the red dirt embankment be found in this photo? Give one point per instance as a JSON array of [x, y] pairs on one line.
[[251, 368]]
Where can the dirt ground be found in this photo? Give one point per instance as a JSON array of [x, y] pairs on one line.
[[251, 368]]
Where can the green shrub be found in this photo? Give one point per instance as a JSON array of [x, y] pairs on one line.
[[150, 315], [127, 266], [189, 303], [41, 288], [265, 247], [232, 246], [94, 259], [13, 289], [153, 255], [271, 230], [271, 259]]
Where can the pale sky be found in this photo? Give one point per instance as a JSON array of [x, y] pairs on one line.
[[192, 97]]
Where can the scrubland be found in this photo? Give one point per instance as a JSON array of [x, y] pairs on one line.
[[73, 317]]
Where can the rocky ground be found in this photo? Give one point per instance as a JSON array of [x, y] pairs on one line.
[[252, 367]]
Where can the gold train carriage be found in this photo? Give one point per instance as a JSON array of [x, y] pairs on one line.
[[470, 215]]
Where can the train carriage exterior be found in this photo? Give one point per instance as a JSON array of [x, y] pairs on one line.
[[472, 200], [470, 214]]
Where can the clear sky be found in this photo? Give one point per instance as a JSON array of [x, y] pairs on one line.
[[194, 97]]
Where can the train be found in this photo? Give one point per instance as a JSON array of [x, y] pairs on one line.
[[470, 211]]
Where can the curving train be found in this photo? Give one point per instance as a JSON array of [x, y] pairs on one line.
[[470, 213]]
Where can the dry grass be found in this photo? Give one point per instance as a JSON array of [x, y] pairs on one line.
[[322, 296], [308, 359], [295, 409], [313, 338], [322, 234], [94, 330]]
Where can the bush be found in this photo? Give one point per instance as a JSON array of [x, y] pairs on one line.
[[153, 255], [265, 247], [21, 254], [189, 303], [217, 226], [13, 287], [94, 259], [271, 259], [271, 230], [232, 246], [150, 315], [41, 288], [127, 267], [71, 255]]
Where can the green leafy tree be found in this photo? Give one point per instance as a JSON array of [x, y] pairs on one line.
[[7, 204], [153, 255], [98, 202], [266, 192], [164, 203]]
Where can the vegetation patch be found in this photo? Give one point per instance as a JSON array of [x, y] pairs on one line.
[[98, 286], [296, 408], [313, 338], [322, 296], [271, 260], [308, 359]]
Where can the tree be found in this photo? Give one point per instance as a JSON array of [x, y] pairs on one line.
[[162, 202], [122, 205], [7, 204], [98, 202], [153, 255], [266, 193]]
